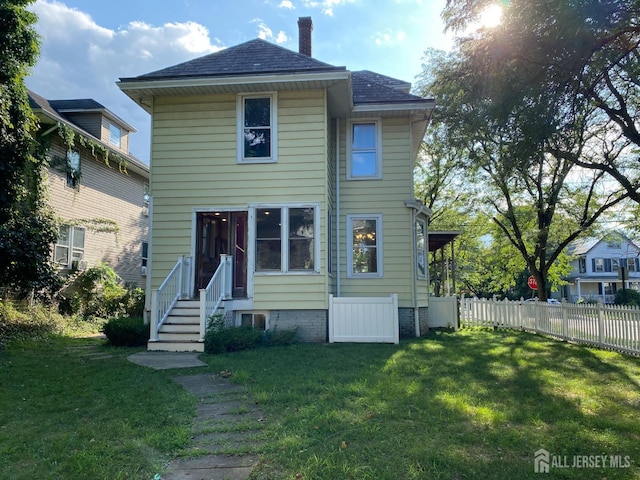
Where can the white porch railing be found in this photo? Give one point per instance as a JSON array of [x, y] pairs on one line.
[[218, 289], [177, 285], [614, 327]]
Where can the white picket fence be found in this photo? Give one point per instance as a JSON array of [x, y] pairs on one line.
[[607, 326]]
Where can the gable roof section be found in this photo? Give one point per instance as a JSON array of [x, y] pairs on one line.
[[254, 57], [41, 105], [584, 246]]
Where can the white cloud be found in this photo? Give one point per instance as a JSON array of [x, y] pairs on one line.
[[265, 33], [81, 59], [326, 6], [287, 4], [389, 37]]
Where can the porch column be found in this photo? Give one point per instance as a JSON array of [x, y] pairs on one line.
[[578, 285]]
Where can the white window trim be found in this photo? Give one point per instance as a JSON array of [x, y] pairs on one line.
[[240, 127], [284, 239], [378, 124], [379, 245], [70, 248]]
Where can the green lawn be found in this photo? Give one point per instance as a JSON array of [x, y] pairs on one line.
[[467, 405]]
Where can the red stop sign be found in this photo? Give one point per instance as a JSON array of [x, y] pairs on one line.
[[533, 285]]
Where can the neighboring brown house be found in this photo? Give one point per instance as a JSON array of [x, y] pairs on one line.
[[96, 187]]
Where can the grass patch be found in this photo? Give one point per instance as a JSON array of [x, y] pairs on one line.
[[76, 409], [473, 404], [469, 405]]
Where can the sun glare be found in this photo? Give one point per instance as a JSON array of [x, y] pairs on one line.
[[491, 16]]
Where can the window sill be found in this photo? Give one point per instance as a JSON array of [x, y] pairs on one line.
[[294, 273], [257, 160]]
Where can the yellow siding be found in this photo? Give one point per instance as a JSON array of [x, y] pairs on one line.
[[194, 166], [385, 196], [104, 193]]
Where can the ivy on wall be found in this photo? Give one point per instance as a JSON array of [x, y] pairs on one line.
[[98, 150]]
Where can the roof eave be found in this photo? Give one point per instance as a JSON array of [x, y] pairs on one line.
[[128, 84]]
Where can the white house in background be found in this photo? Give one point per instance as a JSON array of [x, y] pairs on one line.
[[601, 266]]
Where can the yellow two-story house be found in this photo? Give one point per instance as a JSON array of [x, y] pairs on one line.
[[279, 183]]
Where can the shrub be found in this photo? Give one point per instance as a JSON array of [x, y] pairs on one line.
[[98, 292], [627, 297], [219, 339], [276, 338], [33, 323], [126, 332]]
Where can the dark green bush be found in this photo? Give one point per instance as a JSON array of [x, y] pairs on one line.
[[276, 338], [31, 323], [219, 339], [628, 297], [126, 332]]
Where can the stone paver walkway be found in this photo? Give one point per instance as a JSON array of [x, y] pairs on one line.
[[226, 429]]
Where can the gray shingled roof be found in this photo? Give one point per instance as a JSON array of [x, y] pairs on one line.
[[373, 88], [258, 57], [249, 58], [77, 104]]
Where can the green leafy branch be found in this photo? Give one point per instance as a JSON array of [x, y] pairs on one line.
[[68, 136]]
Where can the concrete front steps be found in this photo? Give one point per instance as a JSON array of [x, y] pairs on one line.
[[180, 332]]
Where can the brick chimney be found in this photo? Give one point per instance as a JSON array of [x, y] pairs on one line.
[[305, 27]]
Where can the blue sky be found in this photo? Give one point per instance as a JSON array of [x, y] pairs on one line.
[[87, 44]]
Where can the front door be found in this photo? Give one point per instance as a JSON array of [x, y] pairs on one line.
[[221, 233]]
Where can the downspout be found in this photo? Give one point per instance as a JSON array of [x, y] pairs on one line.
[[147, 297], [338, 260], [416, 308]]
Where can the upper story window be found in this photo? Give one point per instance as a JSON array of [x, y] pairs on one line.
[[69, 247], [286, 239], [73, 169], [632, 264], [364, 249], [115, 135], [364, 150], [257, 128], [582, 265]]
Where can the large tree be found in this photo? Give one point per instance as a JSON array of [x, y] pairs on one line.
[[518, 145], [27, 228], [580, 51]]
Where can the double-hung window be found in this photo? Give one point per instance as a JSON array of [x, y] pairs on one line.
[[286, 239], [364, 245], [69, 247], [364, 150], [257, 132]]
